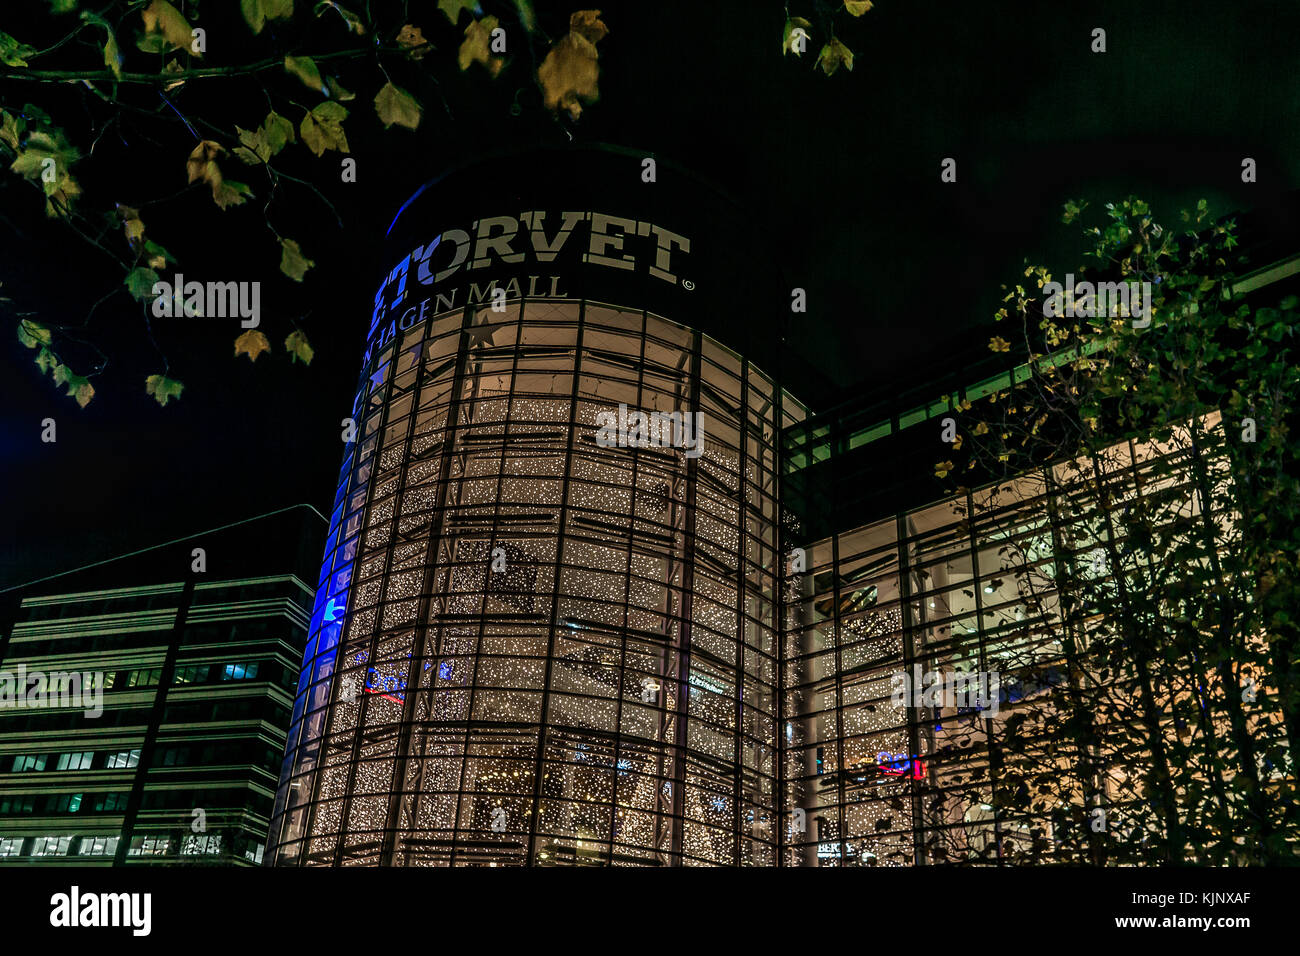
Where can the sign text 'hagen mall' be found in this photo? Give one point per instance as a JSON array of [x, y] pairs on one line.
[[611, 240]]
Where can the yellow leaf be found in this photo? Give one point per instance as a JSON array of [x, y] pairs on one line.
[[227, 193], [569, 73], [941, 470], [796, 28], [200, 165], [395, 105], [857, 7], [322, 128], [112, 60], [292, 262], [982, 428], [411, 39], [452, 8], [476, 46], [83, 393], [173, 67], [833, 55], [999, 344], [299, 348], [161, 18], [252, 343], [257, 12], [32, 334]]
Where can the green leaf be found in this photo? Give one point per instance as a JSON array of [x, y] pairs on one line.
[[337, 91], [79, 386], [527, 16], [396, 106], [11, 128], [163, 388], [322, 128], [81, 389], [140, 282], [112, 55], [254, 15], [37, 115], [45, 359], [156, 255], [32, 334], [299, 348], [13, 53], [292, 262], [62, 6], [304, 67]]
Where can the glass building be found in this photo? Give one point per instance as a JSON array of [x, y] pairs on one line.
[[560, 621], [532, 646], [145, 703]]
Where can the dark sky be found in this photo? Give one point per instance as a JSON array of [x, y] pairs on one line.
[[843, 172]]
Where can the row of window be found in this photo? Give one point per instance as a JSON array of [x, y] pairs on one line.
[[58, 846], [193, 844], [202, 673], [44, 804], [76, 760]]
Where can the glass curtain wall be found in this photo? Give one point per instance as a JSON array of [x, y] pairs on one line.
[[1021, 580], [529, 648]]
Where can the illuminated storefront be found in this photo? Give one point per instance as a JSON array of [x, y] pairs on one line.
[[587, 598]]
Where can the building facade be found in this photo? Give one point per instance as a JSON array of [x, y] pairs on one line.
[[549, 628], [561, 620], [146, 700]]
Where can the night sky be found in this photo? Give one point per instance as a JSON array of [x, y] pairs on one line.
[[843, 171]]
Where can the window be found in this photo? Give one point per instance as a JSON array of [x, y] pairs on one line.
[[192, 674], [144, 678], [29, 762], [197, 844], [51, 846], [255, 854], [17, 803], [11, 846], [149, 846], [109, 802], [242, 671], [123, 758], [98, 846], [63, 803], [76, 761]]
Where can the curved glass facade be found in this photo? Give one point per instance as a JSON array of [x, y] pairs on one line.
[[532, 645]]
